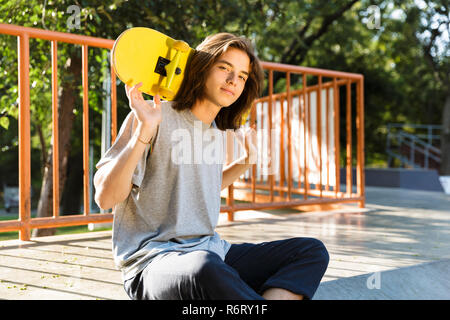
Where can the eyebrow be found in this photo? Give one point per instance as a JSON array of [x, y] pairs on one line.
[[226, 62]]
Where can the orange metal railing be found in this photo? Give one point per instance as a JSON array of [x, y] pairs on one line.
[[24, 224], [271, 193], [281, 193]]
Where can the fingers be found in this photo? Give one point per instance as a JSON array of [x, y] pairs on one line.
[[246, 131], [245, 135], [250, 131], [133, 93], [250, 135], [157, 100], [239, 133]]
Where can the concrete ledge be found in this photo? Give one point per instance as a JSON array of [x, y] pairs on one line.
[[416, 179], [427, 281]]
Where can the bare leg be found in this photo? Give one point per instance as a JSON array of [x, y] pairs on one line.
[[281, 294]]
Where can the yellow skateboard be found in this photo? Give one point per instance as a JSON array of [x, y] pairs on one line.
[[149, 56]]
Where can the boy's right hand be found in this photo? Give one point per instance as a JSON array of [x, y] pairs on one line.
[[145, 113]]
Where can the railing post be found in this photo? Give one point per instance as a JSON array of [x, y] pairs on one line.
[[388, 144], [229, 159], [337, 151], [272, 156], [24, 137], [319, 131], [430, 142], [55, 129], [360, 176], [306, 134], [349, 140], [327, 137], [289, 142], [85, 129], [113, 104]]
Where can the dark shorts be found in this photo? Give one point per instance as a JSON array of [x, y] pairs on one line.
[[296, 264]]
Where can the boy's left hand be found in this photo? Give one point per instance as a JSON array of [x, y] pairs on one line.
[[247, 139]]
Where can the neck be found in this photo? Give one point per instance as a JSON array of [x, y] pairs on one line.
[[206, 111]]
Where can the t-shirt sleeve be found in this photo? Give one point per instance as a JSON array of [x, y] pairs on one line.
[[122, 139]]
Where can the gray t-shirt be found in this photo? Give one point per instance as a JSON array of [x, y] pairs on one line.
[[174, 203]]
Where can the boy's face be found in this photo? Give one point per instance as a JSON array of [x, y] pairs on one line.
[[227, 77]]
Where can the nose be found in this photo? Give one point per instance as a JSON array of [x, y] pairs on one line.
[[231, 79]]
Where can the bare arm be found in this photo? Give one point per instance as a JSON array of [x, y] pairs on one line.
[[113, 180], [234, 170]]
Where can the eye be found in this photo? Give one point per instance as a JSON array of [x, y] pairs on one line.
[[243, 78]]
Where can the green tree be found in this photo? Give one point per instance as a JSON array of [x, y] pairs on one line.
[[427, 28]]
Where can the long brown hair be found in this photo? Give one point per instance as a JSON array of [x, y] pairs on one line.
[[193, 86]]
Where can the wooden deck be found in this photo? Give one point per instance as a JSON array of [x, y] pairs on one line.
[[398, 228]]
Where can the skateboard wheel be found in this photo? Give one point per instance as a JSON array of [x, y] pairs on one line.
[[180, 46], [166, 92]]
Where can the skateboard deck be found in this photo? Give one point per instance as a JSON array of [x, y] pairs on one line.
[[151, 57]]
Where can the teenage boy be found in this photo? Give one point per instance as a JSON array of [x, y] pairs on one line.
[[165, 212]]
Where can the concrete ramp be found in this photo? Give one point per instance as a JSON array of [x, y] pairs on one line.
[[428, 281]]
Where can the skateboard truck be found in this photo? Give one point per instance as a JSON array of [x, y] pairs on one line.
[[171, 68], [160, 67]]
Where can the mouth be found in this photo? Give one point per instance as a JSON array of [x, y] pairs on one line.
[[229, 92]]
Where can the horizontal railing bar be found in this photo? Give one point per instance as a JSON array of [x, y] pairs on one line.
[[70, 220], [61, 221], [285, 204], [424, 126], [15, 30], [298, 92], [418, 141], [10, 225], [300, 191], [308, 70]]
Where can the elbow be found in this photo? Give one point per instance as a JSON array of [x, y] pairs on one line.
[[107, 195], [100, 197], [106, 198], [102, 202]]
